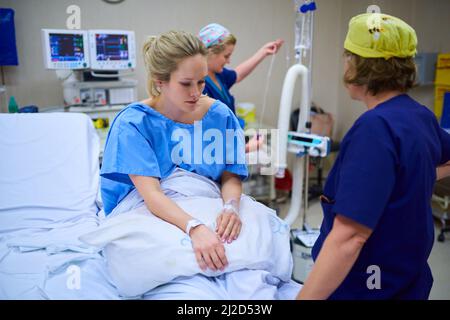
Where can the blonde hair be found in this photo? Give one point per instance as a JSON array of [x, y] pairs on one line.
[[220, 47], [163, 53]]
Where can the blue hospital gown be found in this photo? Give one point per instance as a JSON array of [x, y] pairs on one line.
[[144, 142]]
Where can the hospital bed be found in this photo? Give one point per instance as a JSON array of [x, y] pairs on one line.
[[49, 191]]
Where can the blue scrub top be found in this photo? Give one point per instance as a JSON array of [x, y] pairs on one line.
[[144, 142], [227, 78], [383, 178]]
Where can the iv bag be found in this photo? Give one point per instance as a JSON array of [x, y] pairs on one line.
[[303, 29]]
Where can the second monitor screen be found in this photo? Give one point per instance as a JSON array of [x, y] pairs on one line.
[[111, 47]]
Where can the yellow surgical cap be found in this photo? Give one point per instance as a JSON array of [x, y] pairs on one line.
[[378, 35]]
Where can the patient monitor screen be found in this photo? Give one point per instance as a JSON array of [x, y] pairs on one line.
[[112, 47], [66, 47]]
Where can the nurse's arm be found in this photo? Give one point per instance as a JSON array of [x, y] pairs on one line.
[[209, 251], [337, 256], [443, 171], [246, 67]]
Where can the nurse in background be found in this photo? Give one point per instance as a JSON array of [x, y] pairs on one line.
[[220, 44], [378, 230]]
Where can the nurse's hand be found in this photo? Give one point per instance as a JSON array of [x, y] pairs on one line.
[[228, 225], [209, 250], [272, 47]]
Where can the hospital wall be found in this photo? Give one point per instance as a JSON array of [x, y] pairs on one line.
[[254, 22]]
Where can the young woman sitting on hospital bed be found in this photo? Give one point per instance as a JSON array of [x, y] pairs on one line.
[[139, 145]]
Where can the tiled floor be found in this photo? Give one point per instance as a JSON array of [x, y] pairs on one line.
[[439, 259]]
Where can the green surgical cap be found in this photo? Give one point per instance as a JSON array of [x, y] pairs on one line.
[[378, 35]]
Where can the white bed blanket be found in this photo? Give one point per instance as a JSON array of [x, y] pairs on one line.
[[144, 251]]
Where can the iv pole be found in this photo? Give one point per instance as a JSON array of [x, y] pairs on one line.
[[304, 32]]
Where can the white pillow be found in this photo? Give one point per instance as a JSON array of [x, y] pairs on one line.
[[49, 167]]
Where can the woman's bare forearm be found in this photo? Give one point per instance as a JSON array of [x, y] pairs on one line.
[[231, 187], [158, 203]]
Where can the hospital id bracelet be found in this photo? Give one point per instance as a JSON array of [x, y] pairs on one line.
[[232, 206], [192, 224]]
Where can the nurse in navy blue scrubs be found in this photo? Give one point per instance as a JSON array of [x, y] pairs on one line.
[[220, 44], [377, 232]]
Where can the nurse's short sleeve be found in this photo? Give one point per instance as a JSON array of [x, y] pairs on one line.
[[367, 172], [229, 77], [235, 147], [127, 151], [445, 142]]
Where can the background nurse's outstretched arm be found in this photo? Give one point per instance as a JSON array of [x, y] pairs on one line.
[[209, 251], [246, 67]]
